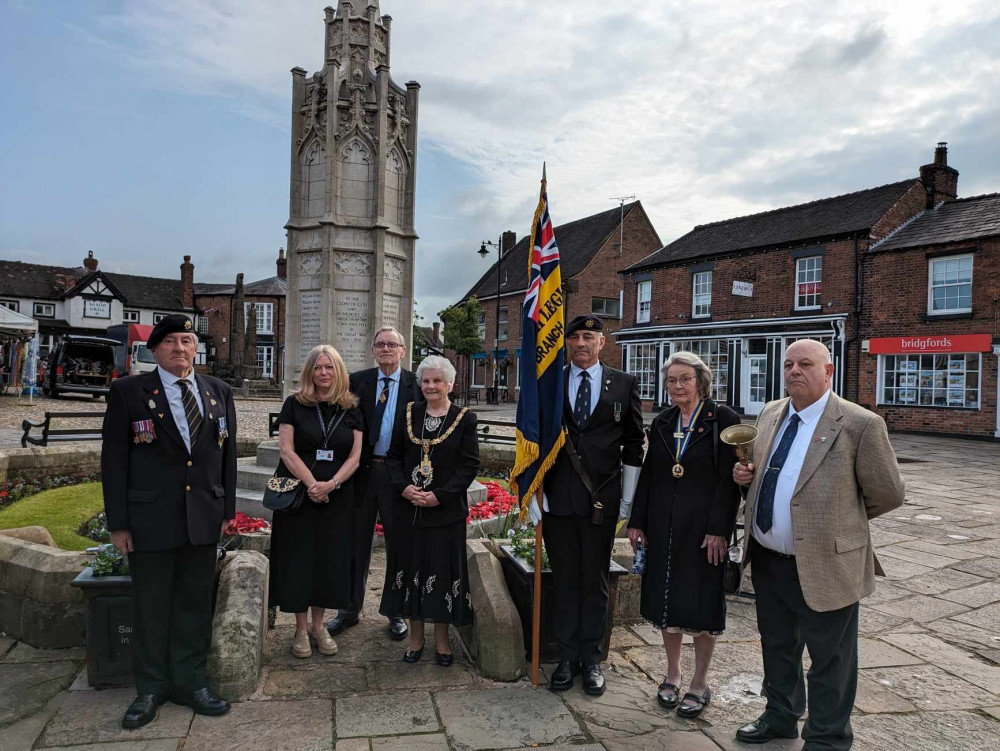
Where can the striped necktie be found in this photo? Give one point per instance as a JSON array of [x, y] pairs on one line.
[[191, 411]]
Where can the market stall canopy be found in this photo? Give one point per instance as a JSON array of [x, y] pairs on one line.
[[14, 324]]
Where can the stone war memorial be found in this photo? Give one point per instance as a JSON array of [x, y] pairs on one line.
[[353, 172]]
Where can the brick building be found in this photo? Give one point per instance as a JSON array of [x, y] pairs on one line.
[[593, 251], [929, 317], [737, 292]]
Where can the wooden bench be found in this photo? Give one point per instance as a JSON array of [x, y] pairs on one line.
[[488, 436], [272, 424], [50, 435]]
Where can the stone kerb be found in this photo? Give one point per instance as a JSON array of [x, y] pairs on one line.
[[629, 585], [38, 605], [51, 460], [239, 626], [495, 640]]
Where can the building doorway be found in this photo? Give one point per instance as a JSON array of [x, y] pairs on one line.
[[755, 376]]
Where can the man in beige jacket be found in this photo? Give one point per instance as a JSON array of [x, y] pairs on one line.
[[828, 470]]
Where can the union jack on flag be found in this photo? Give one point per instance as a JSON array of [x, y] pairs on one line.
[[540, 404]]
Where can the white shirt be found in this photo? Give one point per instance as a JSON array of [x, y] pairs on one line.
[[576, 377], [173, 393], [779, 537]]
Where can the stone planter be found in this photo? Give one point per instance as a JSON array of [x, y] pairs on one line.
[[109, 627], [520, 577]]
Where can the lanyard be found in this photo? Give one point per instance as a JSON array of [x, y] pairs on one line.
[[323, 426], [682, 443]]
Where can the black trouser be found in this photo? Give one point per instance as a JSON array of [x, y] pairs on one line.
[[172, 612], [580, 555], [376, 500], [787, 624]]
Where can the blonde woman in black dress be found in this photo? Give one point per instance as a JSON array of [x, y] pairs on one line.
[[311, 547], [431, 466]]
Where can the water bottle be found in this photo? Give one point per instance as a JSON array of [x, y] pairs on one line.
[[639, 562]]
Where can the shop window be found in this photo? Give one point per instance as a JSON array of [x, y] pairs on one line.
[[482, 324], [265, 316], [43, 310], [715, 354], [503, 323], [808, 282], [643, 304], [945, 380], [643, 365], [701, 305], [130, 316], [265, 361], [605, 306], [479, 372], [949, 285], [11, 304]]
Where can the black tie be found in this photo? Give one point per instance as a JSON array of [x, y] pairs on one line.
[[582, 409], [191, 411], [765, 500], [383, 399]]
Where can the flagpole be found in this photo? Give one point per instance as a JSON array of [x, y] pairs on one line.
[[536, 608]]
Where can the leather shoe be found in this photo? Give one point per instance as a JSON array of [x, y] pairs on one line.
[[141, 711], [202, 701], [759, 731], [593, 679], [562, 676], [444, 659], [342, 621], [397, 629], [413, 655]]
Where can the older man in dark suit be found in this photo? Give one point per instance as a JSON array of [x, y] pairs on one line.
[[591, 484], [168, 467], [383, 393]]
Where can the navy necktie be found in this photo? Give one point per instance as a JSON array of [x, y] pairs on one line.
[[191, 411], [765, 499], [383, 399], [581, 411]]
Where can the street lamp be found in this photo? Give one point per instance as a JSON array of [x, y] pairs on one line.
[[483, 252]]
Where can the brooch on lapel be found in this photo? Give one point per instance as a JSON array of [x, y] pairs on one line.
[[222, 430], [143, 431], [607, 385], [156, 391], [618, 411], [152, 404]]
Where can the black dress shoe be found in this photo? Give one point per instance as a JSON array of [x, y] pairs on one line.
[[562, 676], [444, 660], [397, 629], [338, 624], [690, 711], [759, 731], [593, 679], [201, 701], [141, 711], [413, 655], [668, 695]]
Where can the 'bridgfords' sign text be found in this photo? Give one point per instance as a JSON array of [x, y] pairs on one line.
[[930, 344]]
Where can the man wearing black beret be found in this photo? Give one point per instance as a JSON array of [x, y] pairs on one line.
[[589, 487], [168, 467]]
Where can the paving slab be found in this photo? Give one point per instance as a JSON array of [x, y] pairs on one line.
[[353, 744], [505, 718], [925, 731], [952, 659], [432, 742], [571, 747], [992, 711], [964, 634], [874, 697], [977, 596], [664, 740], [886, 592], [987, 617], [931, 549], [875, 653], [927, 686], [989, 566], [921, 608], [95, 717], [916, 556], [386, 714], [24, 653], [26, 689], [396, 676], [872, 622], [21, 736], [302, 725], [936, 582], [356, 646], [623, 638], [324, 681], [897, 569], [159, 744], [5, 644]]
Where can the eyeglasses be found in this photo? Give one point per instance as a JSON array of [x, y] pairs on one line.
[[680, 381], [387, 345]]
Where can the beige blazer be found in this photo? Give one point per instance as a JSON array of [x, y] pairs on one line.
[[849, 476]]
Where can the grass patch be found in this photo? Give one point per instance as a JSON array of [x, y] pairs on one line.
[[502, 483], [61, 511]]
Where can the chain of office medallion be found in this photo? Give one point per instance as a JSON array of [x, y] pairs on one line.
[[439, 439]]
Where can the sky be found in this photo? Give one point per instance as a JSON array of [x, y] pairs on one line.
[[146, 130]]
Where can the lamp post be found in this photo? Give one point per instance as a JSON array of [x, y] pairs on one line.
[[483, 252]]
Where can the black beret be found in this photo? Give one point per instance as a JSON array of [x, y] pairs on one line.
[[584, 323], [176, 324]]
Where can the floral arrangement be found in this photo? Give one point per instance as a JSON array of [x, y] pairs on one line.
[[243, 525], [96, 528], [522, 539], [109, 562], [499, 502], [12, 490]]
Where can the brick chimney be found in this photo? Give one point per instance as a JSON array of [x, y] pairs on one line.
[[187, 282], [940, 181], [437, 333], [90, 263], [507, 241], [282, 264]]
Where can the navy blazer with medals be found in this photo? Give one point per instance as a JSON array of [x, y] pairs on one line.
[[163, 494], [612, 436]]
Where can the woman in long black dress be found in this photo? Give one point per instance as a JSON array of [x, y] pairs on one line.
[[684, 512], [311, 547], [427, 577]]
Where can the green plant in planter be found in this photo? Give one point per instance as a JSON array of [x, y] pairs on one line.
[[522, 539], [109, 562]]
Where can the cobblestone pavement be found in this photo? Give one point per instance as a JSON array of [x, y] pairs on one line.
[[929, 671]]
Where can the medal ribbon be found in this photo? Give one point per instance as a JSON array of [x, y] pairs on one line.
[[681, 444]]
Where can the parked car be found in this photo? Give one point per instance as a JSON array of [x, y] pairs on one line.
[[81, 365]]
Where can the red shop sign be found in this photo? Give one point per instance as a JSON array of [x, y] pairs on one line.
[[905, 345]]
